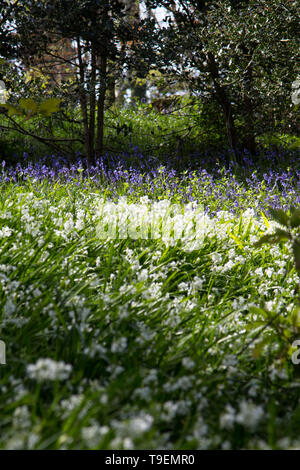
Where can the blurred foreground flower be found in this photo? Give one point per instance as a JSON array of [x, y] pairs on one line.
[[47, 369]]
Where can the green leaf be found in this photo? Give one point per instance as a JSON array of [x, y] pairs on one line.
[[273, 238], [279, 216], [49, 106], [265, 220], [296, 252], [257, 310], [283, 234], [236, 239], [292, 209], [12, 110], [28, 105], [261, 344], [295, 218]]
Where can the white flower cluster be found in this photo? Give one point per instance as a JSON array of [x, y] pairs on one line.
[[249, 415], [47, 369], [5, 232]]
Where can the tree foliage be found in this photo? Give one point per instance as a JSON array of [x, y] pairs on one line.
[[244, 54]]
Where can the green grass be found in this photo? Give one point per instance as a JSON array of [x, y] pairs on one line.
[[166, 347]]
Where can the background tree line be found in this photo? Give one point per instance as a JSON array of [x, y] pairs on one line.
[[79, 58]]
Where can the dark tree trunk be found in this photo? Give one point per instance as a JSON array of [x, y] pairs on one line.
[[101, 103], [224, 102], [111, 90], [91, 155], [83, 101], [249, 130]]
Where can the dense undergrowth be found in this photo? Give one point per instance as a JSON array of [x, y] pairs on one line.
[[188, 126]]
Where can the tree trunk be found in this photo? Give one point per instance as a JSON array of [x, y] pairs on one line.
[[111, 89], [224, 102], [91, 155], [249, 130], [101, 103], [138, 91], [83, 100]]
